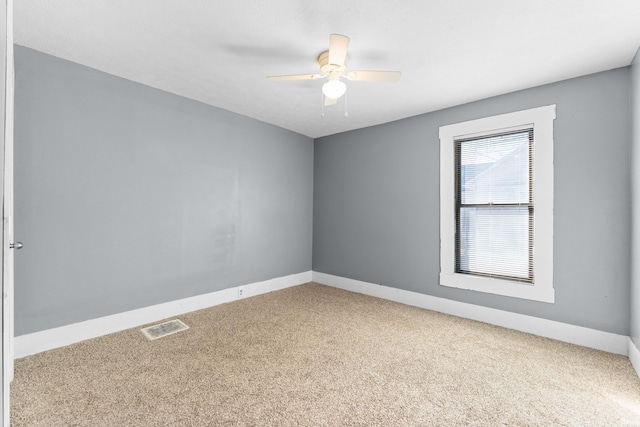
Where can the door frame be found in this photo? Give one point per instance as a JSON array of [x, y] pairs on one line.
[[6, 193]]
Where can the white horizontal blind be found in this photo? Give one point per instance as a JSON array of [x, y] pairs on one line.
[[494, 205]]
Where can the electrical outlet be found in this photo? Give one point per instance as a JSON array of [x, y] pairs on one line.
[[240, 292]]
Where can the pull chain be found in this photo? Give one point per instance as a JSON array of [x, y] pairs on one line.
[[346, 114]]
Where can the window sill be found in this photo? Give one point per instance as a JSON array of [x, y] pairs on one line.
[[534, 292]]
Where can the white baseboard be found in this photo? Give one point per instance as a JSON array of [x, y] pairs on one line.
[[634, 356], [49, 339], [586, 337]]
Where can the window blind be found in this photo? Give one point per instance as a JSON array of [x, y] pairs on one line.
[[494, 205]]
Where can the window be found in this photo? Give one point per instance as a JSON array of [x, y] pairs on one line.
[[496, 204]]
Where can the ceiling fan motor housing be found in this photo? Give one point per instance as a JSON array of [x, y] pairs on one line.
[[327, 69]]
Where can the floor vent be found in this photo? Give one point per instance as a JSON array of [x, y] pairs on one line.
[[163, 329]]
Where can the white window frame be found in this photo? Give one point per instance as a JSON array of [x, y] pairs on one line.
[[541, 119]]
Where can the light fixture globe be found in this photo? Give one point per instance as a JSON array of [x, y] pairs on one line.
[[334, 89]]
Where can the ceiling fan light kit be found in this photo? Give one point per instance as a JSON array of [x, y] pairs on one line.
[[334, 89], [333, 66]]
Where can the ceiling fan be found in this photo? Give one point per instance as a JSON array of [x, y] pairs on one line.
[[333, 66]]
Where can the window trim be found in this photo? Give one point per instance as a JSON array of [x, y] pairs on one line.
[[541, 119]]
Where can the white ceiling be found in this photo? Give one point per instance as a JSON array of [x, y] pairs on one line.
[[449, 51]]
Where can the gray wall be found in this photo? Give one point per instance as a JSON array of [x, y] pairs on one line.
[[635, 198], [376, 202], [127, 196]]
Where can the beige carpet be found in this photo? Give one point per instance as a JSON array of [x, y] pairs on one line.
[[317, 356]]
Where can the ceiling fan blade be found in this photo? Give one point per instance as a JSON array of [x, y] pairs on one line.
[[296, 77], [329, 101], [374, 76], [338, 46]]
